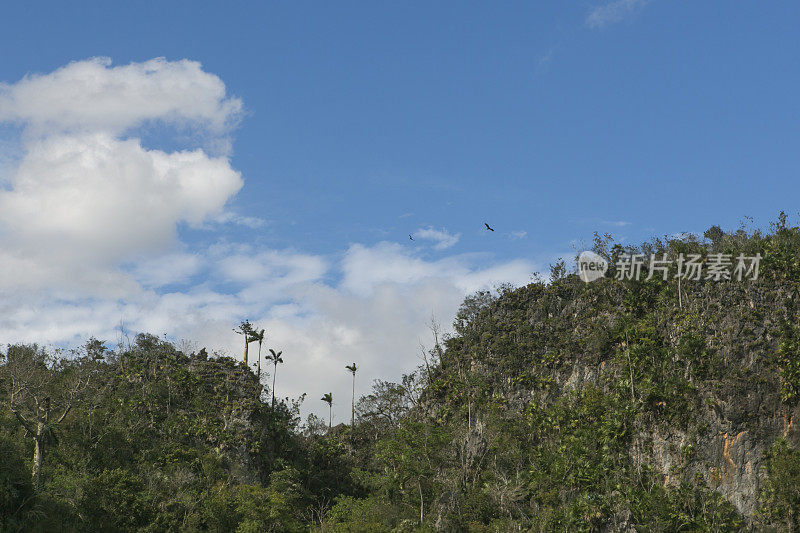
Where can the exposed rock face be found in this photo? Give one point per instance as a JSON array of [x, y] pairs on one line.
[[234, 435], [726, 445], [729, 455]]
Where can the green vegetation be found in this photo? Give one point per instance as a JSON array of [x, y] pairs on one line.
[[562, 406]]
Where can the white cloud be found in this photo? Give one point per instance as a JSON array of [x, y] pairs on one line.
[[441, 238], [240, 220], [376, 314], [107, 197], [617, 223], [79, 198], [613, 12], [518, 234], [91, 95], [168, 269], [266, 276], [365, 269]]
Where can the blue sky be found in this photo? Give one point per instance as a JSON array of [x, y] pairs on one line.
[[457, 112], [364, 122]]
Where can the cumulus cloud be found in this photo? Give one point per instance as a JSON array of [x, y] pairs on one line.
[[108, 197], [168, 269], [81, 197], [441, 238], [92, 95], [266, 276], [613, 12]]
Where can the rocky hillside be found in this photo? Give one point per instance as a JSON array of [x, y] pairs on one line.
[[625, 405]]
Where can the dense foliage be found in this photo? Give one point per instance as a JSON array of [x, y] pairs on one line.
[[614, 405]]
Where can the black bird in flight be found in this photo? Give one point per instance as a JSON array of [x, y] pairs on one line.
[[410, 237], [488, 227]]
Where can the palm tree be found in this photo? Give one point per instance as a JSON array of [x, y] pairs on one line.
[[353, 368], [328, 398], [275, 358], [246, 329], [260, 338]]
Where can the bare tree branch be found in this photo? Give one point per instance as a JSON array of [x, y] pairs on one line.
[[61, 418], [25, 423]]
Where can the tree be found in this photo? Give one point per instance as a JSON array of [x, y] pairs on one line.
[[381, 411], [328, 398], [275, 358], [413, 454], [352, 368], [246, 329], [95, 349], [779, 496], [40, 386], [715, 235], [260, 338]]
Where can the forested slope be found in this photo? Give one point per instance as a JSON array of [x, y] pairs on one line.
[[617, 405]]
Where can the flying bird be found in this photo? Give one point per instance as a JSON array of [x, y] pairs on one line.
[[488, 226], [410, 237]]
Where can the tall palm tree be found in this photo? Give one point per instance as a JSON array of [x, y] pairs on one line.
[[274, 358], [328, 398], [353, 368], [260, 338]]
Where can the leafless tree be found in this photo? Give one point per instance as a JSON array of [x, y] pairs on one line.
[[42, 391], [249, 333]]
